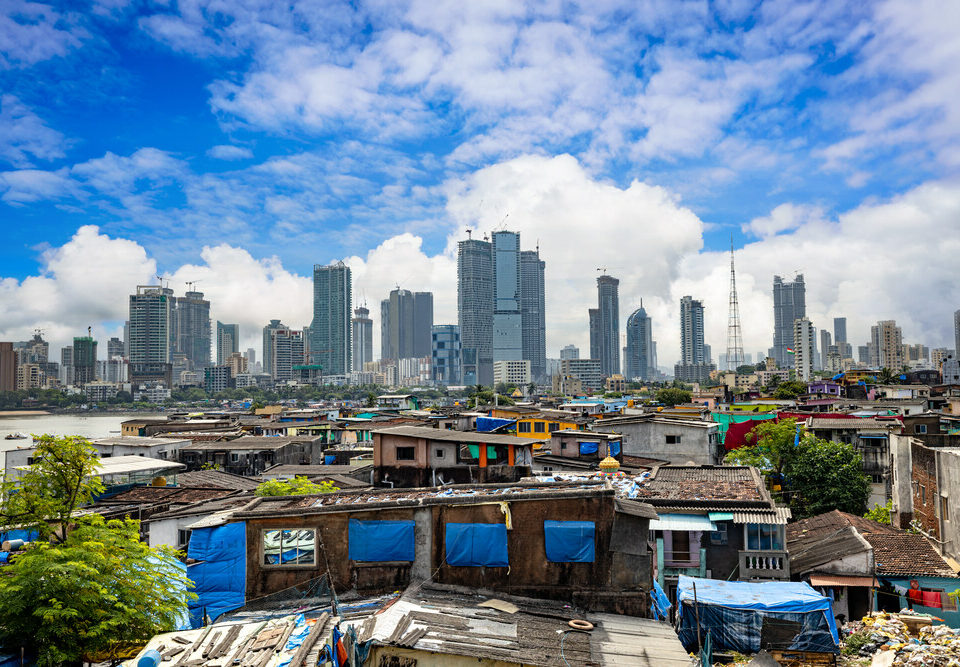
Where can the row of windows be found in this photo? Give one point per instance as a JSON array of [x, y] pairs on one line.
[[466, 544], [538, 427]]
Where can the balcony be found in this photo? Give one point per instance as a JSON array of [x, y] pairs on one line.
[[695, 567], [764, 565]]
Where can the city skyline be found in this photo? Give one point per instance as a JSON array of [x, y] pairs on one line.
[[559, 122]]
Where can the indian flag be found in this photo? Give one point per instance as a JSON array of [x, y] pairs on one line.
[[790, 350]]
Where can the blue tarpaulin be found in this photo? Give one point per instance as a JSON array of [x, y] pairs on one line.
[[372, 541], [661, 603], [477, 544], [748, 616], [588, 448], [18, 534], [488, 424], [221, 579], [615, 448], [329, 459], [569, 541]]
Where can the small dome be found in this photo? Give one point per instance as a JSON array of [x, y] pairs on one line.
[[610, 465]]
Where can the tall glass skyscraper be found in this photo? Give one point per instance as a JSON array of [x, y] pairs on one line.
[[362, 338], [533, 313], [691, 332], [445, 340], [152, 334], [605, 326], [192, 317], [228, 341], [475, 310], [507, 318], [406, 319], [789, 305], [330, 339], [639, 350]]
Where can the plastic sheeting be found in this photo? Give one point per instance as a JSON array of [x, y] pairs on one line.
[[569, 541], [588, 448], [477, 544], [660, 602], [746, 616], [221, 579], [615, 448], [373, 541], [488, 424]]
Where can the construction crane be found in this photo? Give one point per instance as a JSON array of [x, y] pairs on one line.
[[160, 280], [190, 284], [602, 269]]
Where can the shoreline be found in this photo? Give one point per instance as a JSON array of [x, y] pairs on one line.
[[24, 413]]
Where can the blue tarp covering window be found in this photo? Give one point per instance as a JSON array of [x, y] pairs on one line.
[[477, 544], [615, 448], [221, 579], [329, 459], [372, 541], [488, 424], [588, 448], [569, 541], [744, 616]]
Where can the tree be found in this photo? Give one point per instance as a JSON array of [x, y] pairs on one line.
[[298, 486], [672, 396], [746, 369], [371, 399], [99, 588], [772, 448], [886, 376], [880, 513], [789, 390], [827, 476], [60, 480]]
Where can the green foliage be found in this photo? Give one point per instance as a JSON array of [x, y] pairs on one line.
[[100, 587], [816, 476], [827, 476], [371, 399], [672, 396], [886, 376], [856, 641], [60, 480], [880, 513], [298, 486], [789, 390], [746, 369]]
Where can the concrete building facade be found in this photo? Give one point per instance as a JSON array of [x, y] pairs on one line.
[[475, 310], [152, 334], [803, 348], [789, 305], [445, 354], [330, 343], [533, 312], [192, 328], [228, 341], [605, 325], [638, 362], [362, 337]]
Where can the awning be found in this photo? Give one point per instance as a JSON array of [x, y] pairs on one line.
[[721, 516], [842, 580], [872, 436], [686, 522], [779, 516]]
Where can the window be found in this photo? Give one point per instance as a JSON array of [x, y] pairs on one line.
[[438, 453], [380, 541], [673, 439], [763, 537], [476, 544], [468, 454], [923, 494], [919, 428], [554, 426], [876, 479], [719, 536], [569, 541], [539, 427], [406, 454], [234, 457], [183, 538], [523, 427], [289, 547], [944, 508], [563, 444], [681, 546]]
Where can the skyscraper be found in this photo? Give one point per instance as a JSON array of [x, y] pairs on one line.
[[605, 326], [475, 310], [533, 312], [286, 351], [66, 365], [956, 332], [228, 341], [507, 316], [191, 313], [406, 319], [445, 355], [694, 363], [803, 348], [886, 346], [362, 337], [114, 348], [152, 334], [789, 305], [267, 350], [84, 360], [638, 362], [330, 341], [569, 352], [8, 367], [825, 346], [844, 348]]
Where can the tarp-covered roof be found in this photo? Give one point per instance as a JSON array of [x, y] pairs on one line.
[[782, 596]]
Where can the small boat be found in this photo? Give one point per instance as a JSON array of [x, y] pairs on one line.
[[15, 436]]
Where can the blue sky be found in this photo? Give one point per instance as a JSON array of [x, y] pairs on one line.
[[331, 130]]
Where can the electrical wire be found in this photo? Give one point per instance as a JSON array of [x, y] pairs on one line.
[[563, 636]]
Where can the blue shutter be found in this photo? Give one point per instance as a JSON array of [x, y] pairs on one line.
[[476, 544], [376, 541], [569, 541]]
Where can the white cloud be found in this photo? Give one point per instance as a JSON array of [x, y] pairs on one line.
[[24, 136], [229, 152], [31, 32], [783, 218]]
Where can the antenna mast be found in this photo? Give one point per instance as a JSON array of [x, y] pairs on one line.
[[734, 334]]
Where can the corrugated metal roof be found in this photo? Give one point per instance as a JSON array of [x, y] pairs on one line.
[[687, 522], [841, 580], [780, 516], [457, 436]]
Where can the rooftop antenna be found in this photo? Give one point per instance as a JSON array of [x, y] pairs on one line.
[[602, 269], [89, 332], [190, 284], [469, 233]]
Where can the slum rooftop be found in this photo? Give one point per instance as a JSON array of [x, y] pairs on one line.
[[354, 500], [250, 442], [444, 435]]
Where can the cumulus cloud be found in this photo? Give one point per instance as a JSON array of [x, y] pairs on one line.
[[229, 152], [783, 218]]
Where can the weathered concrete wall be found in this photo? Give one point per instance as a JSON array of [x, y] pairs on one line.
[[925, 488], [649, 440]]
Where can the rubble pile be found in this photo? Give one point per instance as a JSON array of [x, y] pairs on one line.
[[936, 646]]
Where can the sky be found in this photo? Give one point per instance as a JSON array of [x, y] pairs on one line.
[[235, 144]]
